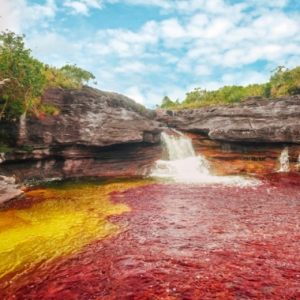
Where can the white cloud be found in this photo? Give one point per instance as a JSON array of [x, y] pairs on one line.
[[195, 43], [10, 15], [77, 7], [54, 47], [83, 6], [134, 93], [130, 67], [202, 70], [150, 95], [243, 78], [171, 29], [18, 15]]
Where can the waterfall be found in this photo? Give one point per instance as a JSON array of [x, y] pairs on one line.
[[183, 165], [284, 161], [178, 147]]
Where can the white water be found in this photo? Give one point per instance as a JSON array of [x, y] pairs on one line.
[[185, 166], [284, 161]]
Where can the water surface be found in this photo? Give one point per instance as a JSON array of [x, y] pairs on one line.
[[168, 241]]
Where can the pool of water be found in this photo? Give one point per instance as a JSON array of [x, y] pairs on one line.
[[141, 239]]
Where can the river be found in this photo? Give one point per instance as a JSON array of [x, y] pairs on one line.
[[180, 234]]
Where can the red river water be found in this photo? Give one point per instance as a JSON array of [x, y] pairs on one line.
[[181, 241]]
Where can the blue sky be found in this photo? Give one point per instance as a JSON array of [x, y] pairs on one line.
[[146, 49]]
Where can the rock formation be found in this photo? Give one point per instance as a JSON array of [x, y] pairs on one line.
[[105, 134], [96, 133], [243, 137]]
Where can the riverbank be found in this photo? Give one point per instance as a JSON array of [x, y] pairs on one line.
[[9, 189]]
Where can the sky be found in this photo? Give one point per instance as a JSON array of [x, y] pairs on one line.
[[148, 49]]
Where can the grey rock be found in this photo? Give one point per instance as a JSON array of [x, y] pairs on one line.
[[254, 120]]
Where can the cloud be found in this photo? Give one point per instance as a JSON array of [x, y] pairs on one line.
[[18, 15], [77, 7], [171, 29], [123, 42], [10, 15], [189, 43], [130, 67], [55, 47], [134, 92], [83, 6]]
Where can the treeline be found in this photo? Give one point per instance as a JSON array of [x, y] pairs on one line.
[[23, 79], [282, 82]]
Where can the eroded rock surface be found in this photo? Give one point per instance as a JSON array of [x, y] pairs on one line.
[[246, 137], [96, 134], [258, 121], [106, 134], [91, 117]]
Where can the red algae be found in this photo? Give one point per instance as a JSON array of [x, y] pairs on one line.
[[183, 242]]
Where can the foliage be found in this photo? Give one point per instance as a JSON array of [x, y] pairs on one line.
[[23, 79], [48, 109], [26, 81], [282, 82], [57, 79], [168, 103], [66, 77], [76, 74], [27, 148], [4, 148]]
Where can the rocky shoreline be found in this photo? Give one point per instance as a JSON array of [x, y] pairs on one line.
[[9, 189], [106, 134]]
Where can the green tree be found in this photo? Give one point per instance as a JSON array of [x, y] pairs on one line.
[[77, 74], [21, 80], [25, 81], [167, 102]]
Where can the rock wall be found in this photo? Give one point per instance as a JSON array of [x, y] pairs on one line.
[[106, 134], [96, 134]]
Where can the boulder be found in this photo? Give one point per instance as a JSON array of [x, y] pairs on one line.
[[9, 189]]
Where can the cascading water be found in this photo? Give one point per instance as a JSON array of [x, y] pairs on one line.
[[284, 161], [185, 166]]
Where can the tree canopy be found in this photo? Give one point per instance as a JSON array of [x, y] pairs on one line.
[[76, 74], [22, 72]]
